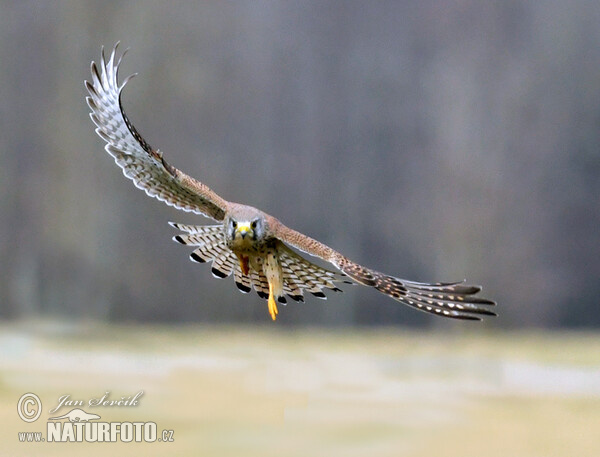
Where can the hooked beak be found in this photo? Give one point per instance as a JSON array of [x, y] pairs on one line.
[[243, 230]]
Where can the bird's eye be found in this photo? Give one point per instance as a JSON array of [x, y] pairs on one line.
[[254, 224], [234, 224]]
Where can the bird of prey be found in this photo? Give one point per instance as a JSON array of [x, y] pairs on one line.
[[248, 243]]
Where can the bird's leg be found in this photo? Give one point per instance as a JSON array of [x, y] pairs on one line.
[[272, 304], [244, 263]]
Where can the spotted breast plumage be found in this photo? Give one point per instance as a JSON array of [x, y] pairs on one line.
[[247, 243]]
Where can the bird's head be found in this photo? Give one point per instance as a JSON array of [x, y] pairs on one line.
[[245, 229]]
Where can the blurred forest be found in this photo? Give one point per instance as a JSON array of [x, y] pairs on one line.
[[432, 140]]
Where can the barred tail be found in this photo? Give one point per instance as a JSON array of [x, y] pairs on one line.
[[455, 300]]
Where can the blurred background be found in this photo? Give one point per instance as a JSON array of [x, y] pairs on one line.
[[431, 140], [434, 140]]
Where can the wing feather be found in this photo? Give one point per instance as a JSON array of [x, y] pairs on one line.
[[141, 163], [452, 300]]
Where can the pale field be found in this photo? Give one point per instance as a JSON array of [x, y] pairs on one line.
[[275, 391]]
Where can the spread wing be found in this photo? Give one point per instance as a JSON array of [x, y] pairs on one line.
[[144, 165], [453, 300]]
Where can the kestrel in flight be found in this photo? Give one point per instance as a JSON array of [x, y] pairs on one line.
[[247, 242]]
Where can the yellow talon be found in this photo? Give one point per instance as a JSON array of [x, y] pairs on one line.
[[272, 304]]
